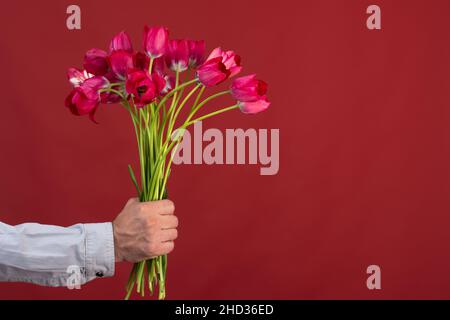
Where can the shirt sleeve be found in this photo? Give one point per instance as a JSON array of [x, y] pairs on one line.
[[56, 256]]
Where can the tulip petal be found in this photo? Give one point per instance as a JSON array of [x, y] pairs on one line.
[[121, 62], [95, 62], [255, 106], [212, 72]]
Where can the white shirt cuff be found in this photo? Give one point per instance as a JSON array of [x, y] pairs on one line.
[[100, 259]]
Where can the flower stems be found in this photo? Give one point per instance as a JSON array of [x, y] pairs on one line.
[[154, 125]]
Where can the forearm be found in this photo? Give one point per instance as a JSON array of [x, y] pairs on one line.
[[42, 254]]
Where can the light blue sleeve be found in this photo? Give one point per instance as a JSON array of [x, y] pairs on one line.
[[53, 256]]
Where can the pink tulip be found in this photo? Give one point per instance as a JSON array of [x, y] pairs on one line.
[[77, 77], [155, 41], [177, 56], [196, 52], [95, 62], [212, 72], [252, 107], [121, 41], [143, 88], [85, 98], [231, 60], [120, 62], [248, 88]]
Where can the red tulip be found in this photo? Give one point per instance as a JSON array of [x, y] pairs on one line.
[[196, 52], [159, 82], [142, 87], [85, 98], [141, 61], [121, 41], [231, 60], [155, 41], [177, 56], [252, 107], [96, 62], [248, 88], [212, 72], [121, 62], [158, 65]]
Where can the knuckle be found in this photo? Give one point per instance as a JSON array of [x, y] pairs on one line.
[[140, 208]]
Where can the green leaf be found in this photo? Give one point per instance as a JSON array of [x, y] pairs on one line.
[[133, 178]]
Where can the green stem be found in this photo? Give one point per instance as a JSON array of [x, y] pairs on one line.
[[174, 90], [150, 65], [201, 104], [209, 115]]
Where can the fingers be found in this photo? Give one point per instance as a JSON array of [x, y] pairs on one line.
[[167, 247], [169, 222], [161, 207], [169, 235]]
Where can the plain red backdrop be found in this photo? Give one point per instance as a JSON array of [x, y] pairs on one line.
[[364, 119]]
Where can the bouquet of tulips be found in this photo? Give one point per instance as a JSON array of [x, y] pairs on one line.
[[148, 85]]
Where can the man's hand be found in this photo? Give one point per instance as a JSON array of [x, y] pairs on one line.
[[144, 230]]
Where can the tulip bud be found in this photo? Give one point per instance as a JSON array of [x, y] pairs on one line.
[[121, 41], [248, 88], [212, 72], [196, 52], [155, 41]]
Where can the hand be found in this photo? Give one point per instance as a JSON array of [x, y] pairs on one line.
[[144, 230]]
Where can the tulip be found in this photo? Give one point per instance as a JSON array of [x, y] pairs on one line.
[[252, 107], [196, 53], [85, 98], [96, 62], [141, 61], [121, 41], [248, 88], [231, 60], [121, 62], [77, 77], [158, 65], [111, 97], [177, 57], [155, 41], [169, 84], [159, 82], [142, 87], [212, 72]]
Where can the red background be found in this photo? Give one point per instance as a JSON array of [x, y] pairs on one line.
[[364, 147]]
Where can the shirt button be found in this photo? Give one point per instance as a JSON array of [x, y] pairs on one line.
[[99, 274]]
